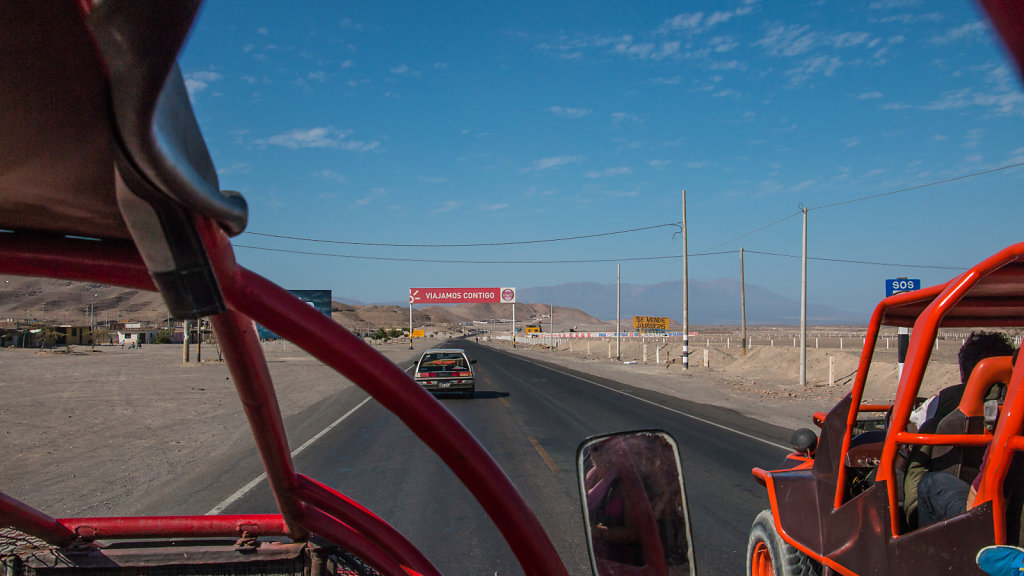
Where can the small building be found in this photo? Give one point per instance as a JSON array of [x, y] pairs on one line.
[[137, 336], [68, 335]]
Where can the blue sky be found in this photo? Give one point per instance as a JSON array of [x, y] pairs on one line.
[[463, 123]]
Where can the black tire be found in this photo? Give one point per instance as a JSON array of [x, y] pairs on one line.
[[767, 550]]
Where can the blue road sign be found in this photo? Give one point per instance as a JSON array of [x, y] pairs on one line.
[[897, 285]]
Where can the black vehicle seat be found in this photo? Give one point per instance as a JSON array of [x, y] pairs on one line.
[[969, 418]]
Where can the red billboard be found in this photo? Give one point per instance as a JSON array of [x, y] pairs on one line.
[[462, 295]]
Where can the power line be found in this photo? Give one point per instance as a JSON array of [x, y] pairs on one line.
[[443, 261], [779, 221], [872, 197], [918, 187], [590, 260], [473, 245], [866, 262]]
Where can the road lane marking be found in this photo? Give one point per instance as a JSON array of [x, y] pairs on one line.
[[255, 481], [543, 454], [504, 402], [673, 410]]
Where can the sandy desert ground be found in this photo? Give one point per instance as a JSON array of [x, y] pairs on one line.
[[93, 432]]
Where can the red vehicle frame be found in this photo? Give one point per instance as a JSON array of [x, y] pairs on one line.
[[110, 182]]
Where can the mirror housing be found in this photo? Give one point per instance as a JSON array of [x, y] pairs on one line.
[[634, 505]]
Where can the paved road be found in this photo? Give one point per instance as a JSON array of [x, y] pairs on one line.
[[531, 417]]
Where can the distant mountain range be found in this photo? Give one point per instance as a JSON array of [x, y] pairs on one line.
[[711, 303], [581, 304]]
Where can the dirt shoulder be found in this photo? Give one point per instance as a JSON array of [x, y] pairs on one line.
[[87, 432]]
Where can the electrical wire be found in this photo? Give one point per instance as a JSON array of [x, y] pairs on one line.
[[589, 260], [918, 187], [866, 262], [473, 245]]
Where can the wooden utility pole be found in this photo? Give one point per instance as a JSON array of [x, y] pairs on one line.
[[184, 342], [743, 304]]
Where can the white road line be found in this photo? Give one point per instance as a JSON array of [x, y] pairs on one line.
[[255, 481], [691, 416]]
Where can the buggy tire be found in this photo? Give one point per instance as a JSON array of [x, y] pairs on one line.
[[769, 555]]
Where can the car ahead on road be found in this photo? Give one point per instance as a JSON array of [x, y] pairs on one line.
[[446, 370]]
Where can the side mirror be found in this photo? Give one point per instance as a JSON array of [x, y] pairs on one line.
[[634, 505]]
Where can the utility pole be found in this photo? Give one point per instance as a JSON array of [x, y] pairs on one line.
[[743, 304], [551, 326], [184, 342], [199, 340], [803, 307], [686, 296], [618, 313], [92, 323]]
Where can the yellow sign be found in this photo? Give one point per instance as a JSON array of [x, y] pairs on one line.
[[532, 329], [650, 323], [419, 334]]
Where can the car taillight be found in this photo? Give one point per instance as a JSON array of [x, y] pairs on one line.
[[462, 374], [425, 374]]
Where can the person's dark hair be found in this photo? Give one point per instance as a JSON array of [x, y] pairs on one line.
[[981, 345]]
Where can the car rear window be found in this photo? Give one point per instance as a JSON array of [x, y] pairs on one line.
[[443, 362]]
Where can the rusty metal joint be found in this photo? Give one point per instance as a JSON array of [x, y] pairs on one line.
[[247, 544]]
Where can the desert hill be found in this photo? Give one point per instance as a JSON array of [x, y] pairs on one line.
[[58, 301]]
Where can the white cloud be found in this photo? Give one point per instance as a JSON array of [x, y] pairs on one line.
[[802, 185], [609, 172], [814, 66], [620, 118], [850, 142], [433, 179], [697, 22], [695, 164], [321, 137], [782, 40], [234, 168], [869, 95], [403, 70], [644, 51], [332, 175], [373, 195], [569, 112], [348, 63], [659, 163], [555, 162], [196, 82], [349, 24], [447, 207], [495, 207], [659, 81], [440, 65], [967, 31]]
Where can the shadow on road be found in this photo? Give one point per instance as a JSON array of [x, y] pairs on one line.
[[480, 395]]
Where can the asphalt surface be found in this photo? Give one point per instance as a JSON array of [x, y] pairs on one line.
[[531, 417]]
